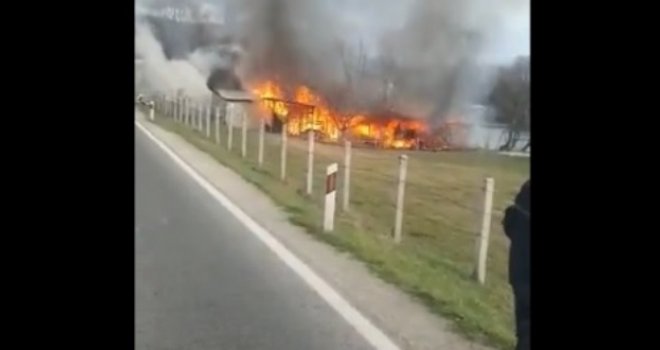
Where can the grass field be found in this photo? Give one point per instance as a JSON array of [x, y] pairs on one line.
[[443, 200]]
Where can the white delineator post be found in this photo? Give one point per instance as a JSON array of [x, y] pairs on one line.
[[398, 219], [262, 129], [208, 122], [330, 198], [347, 175], [283, 153], [244, 122], [217, 125], [152, 108], [310, 161], [484, 235]]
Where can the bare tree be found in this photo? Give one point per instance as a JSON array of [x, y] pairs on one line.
[[511, 100], [345, 98]]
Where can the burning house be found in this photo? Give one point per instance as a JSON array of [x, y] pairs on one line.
[[304, 110]]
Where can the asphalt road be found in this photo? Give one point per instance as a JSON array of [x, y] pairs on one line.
[[202, 281]]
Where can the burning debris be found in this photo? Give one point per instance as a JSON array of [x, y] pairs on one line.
[[305, 110], [397, 81]]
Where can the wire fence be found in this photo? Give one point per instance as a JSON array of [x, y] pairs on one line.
[[449, 248], [443, 205]]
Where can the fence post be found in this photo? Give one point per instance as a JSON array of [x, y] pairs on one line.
[[230, 131], [208, 122], [398, 219], [244, 121], [200, 117], [262, 127], [179, 109], [152, 107], [310, 160], [483, 239], [330, 197], [176, 108], [347, 175], [217, 125], [283, 153], [184, 111], [191, 112]]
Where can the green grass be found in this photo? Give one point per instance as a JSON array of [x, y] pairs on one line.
[[435, 260]]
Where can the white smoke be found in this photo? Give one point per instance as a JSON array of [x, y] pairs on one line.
[[160, 75]]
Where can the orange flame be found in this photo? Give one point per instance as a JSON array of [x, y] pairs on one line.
[[389, 132]]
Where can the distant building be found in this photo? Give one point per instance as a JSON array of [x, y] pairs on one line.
[[235, 105]]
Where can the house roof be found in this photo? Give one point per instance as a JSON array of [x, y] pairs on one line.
[[234, 95]]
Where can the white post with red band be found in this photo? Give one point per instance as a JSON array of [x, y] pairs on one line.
[[330, 197]]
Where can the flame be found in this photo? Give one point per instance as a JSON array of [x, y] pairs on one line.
[[307, 111], [271, 94]]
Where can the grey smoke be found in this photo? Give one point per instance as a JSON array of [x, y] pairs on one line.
[[179, 55], [440, 53], [437, 56]]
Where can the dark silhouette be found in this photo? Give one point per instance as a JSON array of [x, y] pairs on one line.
[[517, 228]]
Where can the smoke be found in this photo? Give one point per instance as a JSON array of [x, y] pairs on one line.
[[438, 55], [180, 54], [162, 75], [429, 58]]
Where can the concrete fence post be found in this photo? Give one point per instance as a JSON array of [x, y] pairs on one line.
[[244, 121], [484, 235], [217, 125], [283, 153], [310, 161], [230, 132], [398, 219], [208, 122], [347, 176], [262, 129], [152, 109], [200, 117]]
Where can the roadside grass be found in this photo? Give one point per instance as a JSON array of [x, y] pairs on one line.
[[443, 199]]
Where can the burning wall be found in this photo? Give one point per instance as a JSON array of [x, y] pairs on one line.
[[304, 110]]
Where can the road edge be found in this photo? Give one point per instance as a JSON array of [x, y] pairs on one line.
[[376, 337]]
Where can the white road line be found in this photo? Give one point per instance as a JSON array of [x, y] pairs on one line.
[[362, 325]]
